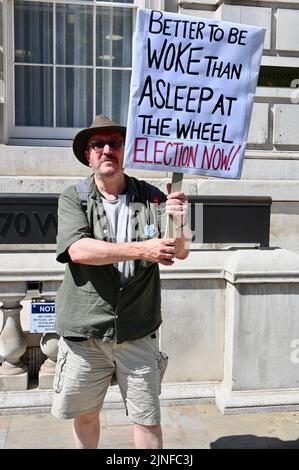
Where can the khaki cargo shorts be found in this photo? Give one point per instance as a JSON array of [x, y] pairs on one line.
[[85, 369]]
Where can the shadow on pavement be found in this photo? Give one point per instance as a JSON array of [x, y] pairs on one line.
[[249, 441]]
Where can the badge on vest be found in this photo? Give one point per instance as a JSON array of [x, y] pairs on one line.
[[150, 230]]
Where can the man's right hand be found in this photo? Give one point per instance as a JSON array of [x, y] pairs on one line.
[[160, 250]]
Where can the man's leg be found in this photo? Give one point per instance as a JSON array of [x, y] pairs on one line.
[[148, 437], [86, 431]]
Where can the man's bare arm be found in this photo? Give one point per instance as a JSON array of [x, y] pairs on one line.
[[183, 241], [98, 253]]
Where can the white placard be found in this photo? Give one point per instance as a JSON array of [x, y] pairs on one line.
[[42, 317], [192, 90]]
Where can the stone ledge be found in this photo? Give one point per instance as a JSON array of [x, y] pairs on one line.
[[259, 266], [30, 161], [199, 4], [36, 401], [279, 190], [245, 401], [238, 265], [13, 382]]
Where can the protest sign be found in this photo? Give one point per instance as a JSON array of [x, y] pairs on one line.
[[192, 90]]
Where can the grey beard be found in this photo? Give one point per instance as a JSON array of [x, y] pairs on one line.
[[100, 174]]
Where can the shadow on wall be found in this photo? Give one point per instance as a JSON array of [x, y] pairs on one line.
[[249, 441]]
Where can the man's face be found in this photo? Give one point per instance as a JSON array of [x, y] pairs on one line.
[[105, 153]]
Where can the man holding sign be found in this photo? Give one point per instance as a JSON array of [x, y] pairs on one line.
[[108, 308], [192, 91]]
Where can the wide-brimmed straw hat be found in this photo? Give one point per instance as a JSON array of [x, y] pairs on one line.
[[101, 123]]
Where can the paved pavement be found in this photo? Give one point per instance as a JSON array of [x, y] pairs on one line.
[[199, 426]]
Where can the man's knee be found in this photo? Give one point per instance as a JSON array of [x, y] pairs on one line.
[[88, 418], [149, 426], [148, 436], [152, 428]]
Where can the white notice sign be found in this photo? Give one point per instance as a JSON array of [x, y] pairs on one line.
[[192, 91], [42, 318]]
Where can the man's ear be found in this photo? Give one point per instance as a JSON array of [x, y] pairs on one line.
[[87, 155]]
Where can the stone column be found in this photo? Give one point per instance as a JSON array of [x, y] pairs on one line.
[[13, 373], [261, 332], [49, 346]]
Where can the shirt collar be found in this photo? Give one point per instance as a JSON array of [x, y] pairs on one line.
[[131, 189]]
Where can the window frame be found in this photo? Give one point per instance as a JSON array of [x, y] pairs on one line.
[[50, 136]]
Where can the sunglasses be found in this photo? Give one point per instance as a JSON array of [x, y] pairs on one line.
[[100, 144]]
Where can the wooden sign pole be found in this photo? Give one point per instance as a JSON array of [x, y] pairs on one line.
[[176, 185]]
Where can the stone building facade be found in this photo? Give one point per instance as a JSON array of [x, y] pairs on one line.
[[73, 62], [35, 152]]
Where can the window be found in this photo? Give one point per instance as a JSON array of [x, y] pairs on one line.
[[69, 60], [278, 77]]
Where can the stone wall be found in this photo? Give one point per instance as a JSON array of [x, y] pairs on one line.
[[230, 329], [271, 166], [2, 94]]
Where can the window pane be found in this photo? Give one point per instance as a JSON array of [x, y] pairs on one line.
[[114, 37], [33, 96], [118, 1], [74, 38], [277, 76], [112, 95], [33, 32], [74, 92]]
